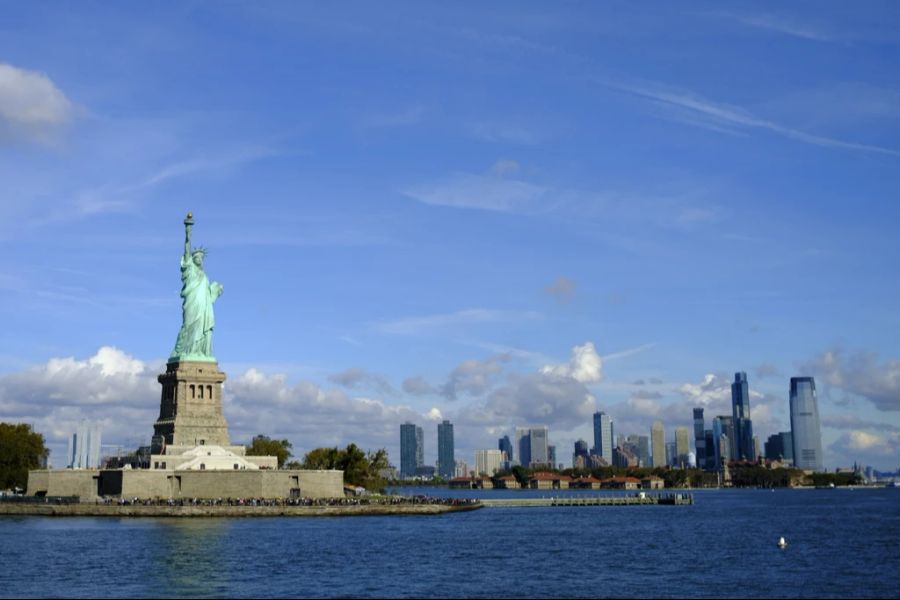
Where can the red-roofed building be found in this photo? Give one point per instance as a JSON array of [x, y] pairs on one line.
[[587, 482], [549, 481], [622, 483], [507, 482]]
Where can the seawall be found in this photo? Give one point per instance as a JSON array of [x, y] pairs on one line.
[[140, 510]]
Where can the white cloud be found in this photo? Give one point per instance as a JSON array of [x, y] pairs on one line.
[[585, 365], [31, 106], [465, 190], [860, 374], [691, 108], [473, 377]]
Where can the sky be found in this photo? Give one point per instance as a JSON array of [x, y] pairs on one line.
[[506, 214]]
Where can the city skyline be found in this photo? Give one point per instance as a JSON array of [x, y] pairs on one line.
[[521, 218]]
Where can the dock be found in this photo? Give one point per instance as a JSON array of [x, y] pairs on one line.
[[617, 500]]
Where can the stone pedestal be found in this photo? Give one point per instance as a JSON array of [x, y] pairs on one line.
[[190, 411]]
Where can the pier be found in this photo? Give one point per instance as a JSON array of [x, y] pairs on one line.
[[635, 500]]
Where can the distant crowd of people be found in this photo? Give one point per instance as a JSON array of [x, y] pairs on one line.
[[346, 501]]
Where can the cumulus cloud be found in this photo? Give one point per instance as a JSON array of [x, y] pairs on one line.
[[473, 377], [865, 447], [417, 386], [860, 374], [359, 378], [31, 106], [585, 365]]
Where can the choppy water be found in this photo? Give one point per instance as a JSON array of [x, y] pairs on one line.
[[841, 543]]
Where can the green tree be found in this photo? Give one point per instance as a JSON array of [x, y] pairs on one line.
[[360, 468], [263, 445], [21, 449]]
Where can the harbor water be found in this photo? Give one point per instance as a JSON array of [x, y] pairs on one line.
[[840, 543]]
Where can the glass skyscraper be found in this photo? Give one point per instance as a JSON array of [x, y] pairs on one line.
[[742, 441], [412, 449], [505, 445], [603, 436], [699, 438], [446, 462], [805, 428]]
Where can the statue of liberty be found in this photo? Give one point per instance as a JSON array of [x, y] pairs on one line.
[[197, 296]]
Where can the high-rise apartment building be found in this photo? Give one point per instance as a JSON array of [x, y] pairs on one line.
[[805, 427], [682, 446], [412, 449], [446, 462], [84, 447], [700, 438], [658, 443], [742, 441], [603, 436], [488, 462]]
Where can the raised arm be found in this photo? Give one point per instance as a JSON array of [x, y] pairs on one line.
[[188, 224]]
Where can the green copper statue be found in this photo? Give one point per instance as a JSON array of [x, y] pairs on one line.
[[197, 296]]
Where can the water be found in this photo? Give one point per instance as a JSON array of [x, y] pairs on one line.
[[841, 543]]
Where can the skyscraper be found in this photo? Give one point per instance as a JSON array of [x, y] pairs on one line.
[[603, 435], [723, 434], [780, 446], [700, 438], [446, 462], [682, 446], [805, 427], [412, 449], [505, 445], [532, 446], [487, 462], [742, 441], [84, 447], [658, 443]]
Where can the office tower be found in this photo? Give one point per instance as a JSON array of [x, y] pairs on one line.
[[709, 462], [603, 436], [84, 447], [640, 447], [742, 440], [658, 443], [531, 446], [805, 427], [551, 456], [670, 454], [682, 446], [779, 446], [699, 438], [723, 434], [488, 462], [446, 462], [412, 449], [581, 450], [505, 445], [461, 469]]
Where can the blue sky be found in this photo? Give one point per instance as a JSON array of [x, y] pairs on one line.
[[430, 212]]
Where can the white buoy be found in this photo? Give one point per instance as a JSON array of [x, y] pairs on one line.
[[782, 543]]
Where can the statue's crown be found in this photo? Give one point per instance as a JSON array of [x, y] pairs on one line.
[[199, 250]]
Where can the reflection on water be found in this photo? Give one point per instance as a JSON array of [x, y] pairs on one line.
[[192, 556]]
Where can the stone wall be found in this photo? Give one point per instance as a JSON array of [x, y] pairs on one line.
[[64, 482], [149, 483]]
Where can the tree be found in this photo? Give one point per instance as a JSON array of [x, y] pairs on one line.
[[360, 468], [263, 445], [21, 449]]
